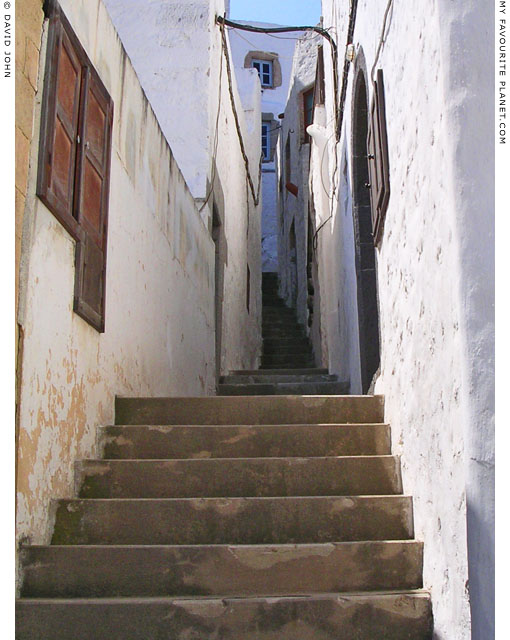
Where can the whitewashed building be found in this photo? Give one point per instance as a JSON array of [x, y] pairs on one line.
[[140, 258], [403, 259], [271, 55]]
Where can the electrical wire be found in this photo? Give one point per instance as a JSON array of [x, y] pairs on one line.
[[382, 39], [215, 145], [255, 196], [323, 32]]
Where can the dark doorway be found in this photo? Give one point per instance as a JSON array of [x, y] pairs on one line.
[[218, 239], [293, 265], [368, 312]]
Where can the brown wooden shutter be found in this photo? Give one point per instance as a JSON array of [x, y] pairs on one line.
[[92, 201], [74, 159], [378, 158], [59, 130]]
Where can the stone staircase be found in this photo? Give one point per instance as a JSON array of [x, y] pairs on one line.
[[287, 363], [242, 517]]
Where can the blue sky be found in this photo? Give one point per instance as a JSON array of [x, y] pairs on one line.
[[287, 12]]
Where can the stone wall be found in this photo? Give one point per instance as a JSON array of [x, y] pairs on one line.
[[29, 19]]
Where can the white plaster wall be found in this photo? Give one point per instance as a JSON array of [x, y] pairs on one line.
[[241, 327], [272, 102], [295, 208], [269, 221], [176, 52], [159, 334], [241, 42], [168, 43], [434, 283]]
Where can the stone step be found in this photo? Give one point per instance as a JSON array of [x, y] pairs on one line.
[[275, 378], [155, 570], [282, 330], [284, 388], [239, 477], [237, 410], [233, 520], [283, 315], [296, 342], [287, 349], [149, 442], [378, 616], [281, 358], [282, 372], [271, 362], [273, 318]]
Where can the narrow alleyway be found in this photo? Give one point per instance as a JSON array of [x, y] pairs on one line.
[[255, 515], [288, 365]]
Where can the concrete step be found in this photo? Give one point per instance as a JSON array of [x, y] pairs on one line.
[[155, 570], [250, 410], [239, 477], [233, 520], [149, 442], [284, 388], [379, 616], [270, 378]]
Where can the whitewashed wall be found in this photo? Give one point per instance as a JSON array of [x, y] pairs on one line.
[[434, 283], [273, 101], [159, 335], [292, 208], [241, 328]]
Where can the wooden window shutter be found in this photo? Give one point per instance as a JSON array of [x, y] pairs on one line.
[[378, 158], [93, 175], [320, 86], [60, 122], [74, 159]]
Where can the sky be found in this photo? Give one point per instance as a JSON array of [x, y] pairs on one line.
[[288, 12]]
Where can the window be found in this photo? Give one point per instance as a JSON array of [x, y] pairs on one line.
[[74, 159], [266, 140], [378, 162], [265, 69], [308, 105]]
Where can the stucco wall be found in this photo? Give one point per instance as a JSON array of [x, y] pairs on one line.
[[294, 209], [159, 335], [241, 217], [434, 269], [273, 101], [176, 52]]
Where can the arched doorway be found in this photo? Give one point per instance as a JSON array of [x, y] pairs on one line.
[[368, 310]]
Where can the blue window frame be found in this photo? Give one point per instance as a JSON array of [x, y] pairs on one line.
[[265, 69], [266, 140]]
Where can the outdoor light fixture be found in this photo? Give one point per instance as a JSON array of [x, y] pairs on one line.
[[350, 53]]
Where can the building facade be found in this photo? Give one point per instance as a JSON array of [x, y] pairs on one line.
[[137, 277], [401, 201], [271, 55]]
